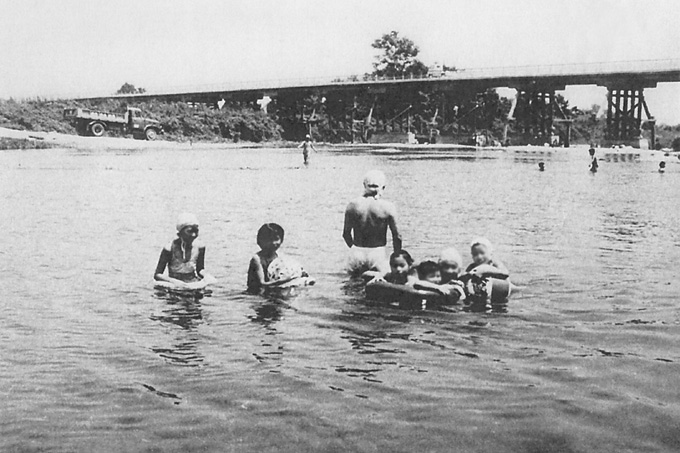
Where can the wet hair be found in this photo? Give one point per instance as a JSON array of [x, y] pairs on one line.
[[426, 268], [269, 232], [404, 254]]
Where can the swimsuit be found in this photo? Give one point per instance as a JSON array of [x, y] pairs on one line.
[[180, 266], [362, 259]]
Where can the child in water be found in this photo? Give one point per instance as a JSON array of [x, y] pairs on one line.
[[483, 264], [270, 238], [184, 257], [428, 271], [401, 272], [450, 264]]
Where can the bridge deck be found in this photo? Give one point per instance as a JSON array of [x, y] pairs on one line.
[[642, 73]]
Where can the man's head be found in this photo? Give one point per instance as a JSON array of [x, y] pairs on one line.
[[374, 183]]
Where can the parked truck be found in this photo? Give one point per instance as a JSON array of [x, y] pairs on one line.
[[92, 122]]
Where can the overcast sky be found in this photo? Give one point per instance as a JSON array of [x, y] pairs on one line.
[[77, 47]]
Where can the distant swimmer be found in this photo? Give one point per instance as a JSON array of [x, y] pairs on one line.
[[365, 229], [541, 166], [306, 146], [662, 167], [593, 161]]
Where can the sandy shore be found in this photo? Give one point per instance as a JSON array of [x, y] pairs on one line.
[[76, 141]]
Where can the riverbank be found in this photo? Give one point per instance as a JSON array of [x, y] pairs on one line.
[[59, 140]]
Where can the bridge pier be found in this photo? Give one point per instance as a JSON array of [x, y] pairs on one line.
[[625, 105], [535, 114]]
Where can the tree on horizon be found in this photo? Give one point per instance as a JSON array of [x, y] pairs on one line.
[[397, 57], [128, 88]]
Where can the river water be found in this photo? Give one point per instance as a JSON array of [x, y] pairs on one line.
[[585, 357]]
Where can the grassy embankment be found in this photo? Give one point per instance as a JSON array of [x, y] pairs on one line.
[[181, 121]]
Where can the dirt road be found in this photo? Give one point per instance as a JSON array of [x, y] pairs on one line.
[[76, 141]]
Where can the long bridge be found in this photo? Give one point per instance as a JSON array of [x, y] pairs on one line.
[[625, 82]]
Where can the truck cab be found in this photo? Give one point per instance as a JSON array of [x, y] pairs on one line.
[[141, 127]]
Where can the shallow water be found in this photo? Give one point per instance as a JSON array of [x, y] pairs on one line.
[[584, 359]]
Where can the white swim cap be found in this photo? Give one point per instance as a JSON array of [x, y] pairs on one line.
[[185, 220], [375, 177], [482, 241], [452, 255]]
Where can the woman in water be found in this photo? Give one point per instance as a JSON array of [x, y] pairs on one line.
[[184, 257]]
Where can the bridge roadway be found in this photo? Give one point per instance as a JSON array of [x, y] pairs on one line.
[[625, 74]]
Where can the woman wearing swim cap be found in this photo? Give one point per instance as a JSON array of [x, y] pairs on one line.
[[184, 257]]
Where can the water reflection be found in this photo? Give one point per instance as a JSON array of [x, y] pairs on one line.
[[268, 310], [183, 311]]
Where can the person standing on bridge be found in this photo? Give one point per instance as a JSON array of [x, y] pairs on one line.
[[306, 146], [365, 230]]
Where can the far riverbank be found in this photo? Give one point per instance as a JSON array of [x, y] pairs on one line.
[[59, 140]]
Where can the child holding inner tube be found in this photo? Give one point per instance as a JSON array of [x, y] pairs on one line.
[[401, 270], [450, 265], [483, 264], [270, 238], [481, 269], [184, 257], [441, 277]]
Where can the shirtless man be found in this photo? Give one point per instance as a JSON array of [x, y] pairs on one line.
[[366, 223]]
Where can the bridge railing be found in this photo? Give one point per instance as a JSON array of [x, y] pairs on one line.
[[639, 66]]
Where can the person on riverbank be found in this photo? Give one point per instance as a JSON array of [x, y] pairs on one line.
[[184, 257], [662, 167], [365, 227], [593, 160], [541, 166], [306, 146]]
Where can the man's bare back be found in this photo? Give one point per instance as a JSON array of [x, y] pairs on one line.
[[366, 223], [367, 218]]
